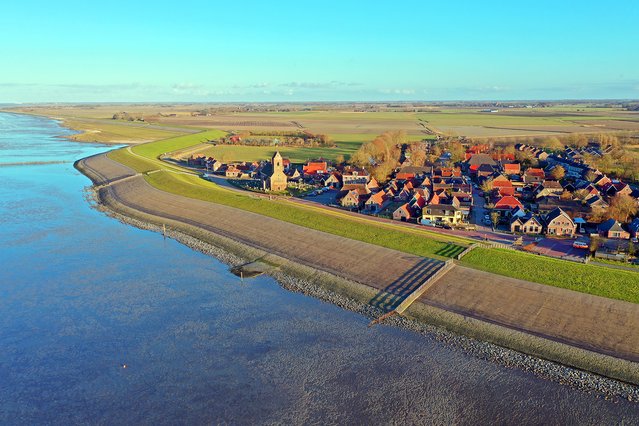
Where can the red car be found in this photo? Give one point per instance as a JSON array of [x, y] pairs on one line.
[[580, 244]]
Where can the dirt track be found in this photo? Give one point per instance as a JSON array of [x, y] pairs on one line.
[[599, 324]]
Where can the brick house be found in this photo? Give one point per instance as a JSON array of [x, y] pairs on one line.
[[559, 223], [529, 224], [612, 229], [402, 213]]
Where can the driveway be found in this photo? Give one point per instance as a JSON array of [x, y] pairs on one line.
[[560, 249]]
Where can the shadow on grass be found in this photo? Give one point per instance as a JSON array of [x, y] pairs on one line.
[[450, 250]]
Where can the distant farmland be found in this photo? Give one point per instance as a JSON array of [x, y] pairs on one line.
[[348, 125]]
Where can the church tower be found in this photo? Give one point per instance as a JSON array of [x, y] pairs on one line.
[[278, 180]]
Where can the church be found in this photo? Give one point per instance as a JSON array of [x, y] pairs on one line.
[[275, 179]]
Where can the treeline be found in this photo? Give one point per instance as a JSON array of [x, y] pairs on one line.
[[126, 116], [262, 138], [619, 161], [381, 156]]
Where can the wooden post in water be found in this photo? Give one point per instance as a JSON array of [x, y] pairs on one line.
[[164, 230]]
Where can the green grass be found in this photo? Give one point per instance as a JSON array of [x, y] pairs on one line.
[[113, 131], [255, 153], [154, 149], [591, 279]]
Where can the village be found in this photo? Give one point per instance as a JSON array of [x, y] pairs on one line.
[[547, 202]]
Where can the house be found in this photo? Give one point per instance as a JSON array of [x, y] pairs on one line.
[[596, 202], [506, 204], [351, 199], [315, 167], [479, 159], [633, 227], [527, 224], [373, 185], [484, 171], [232, 171], [534, 175], [512, 169], [503, 186], [615, 187], [404, 176], [376, 202], [558, 223], [416, 205], [333, 180], [612, 229], [353, 175], [446, 213], [549, 188], [402, 213]]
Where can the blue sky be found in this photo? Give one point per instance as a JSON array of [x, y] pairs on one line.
[[80, 51]]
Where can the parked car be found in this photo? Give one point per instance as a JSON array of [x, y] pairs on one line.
[[580, 244]]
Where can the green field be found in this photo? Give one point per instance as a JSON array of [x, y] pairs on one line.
[[158, 148], [592, 279], [113, 131]]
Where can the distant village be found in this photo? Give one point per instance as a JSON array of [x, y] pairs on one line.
[[553, 194]]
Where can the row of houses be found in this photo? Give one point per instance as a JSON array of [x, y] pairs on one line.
[[530, 201]]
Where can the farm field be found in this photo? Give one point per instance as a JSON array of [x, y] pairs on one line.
[[114, 132], [345, 124]]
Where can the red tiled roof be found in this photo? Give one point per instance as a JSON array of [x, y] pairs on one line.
[[535, 172], [312, 168], [405, 176], [512, 168], [508, 202]]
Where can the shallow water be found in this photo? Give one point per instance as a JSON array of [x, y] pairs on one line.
[[81, 295]]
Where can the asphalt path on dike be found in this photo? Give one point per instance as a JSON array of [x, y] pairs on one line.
[[599, 324]]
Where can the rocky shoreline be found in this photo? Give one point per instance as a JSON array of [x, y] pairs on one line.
[[578, 379]]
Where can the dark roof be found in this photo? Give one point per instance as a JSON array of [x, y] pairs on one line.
[[479, 159], [610, 225], [554, 214]]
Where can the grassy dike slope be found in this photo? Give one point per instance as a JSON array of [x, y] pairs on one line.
[[591, 279]]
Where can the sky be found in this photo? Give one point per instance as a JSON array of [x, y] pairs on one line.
[[259, 51]]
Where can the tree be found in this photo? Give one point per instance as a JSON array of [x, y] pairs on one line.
[[417, 154], [487, 185], [581, 194], [457, 152], [631, 249], [339, 159], [558, 172], [622, 207], [594, 244], [591, 175], [553, 143], [494, 218]]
